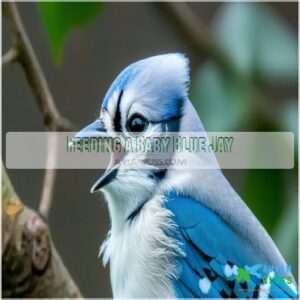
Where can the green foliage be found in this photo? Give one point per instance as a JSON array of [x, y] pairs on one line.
[[255, 38], [62, 17], [222, 102], [264, 192]]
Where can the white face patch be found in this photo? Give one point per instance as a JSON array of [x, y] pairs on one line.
[[204, 285]]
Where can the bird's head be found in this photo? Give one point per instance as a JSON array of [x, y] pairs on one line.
[[147, 98]]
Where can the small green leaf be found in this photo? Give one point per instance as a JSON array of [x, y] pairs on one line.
[[61, 17]]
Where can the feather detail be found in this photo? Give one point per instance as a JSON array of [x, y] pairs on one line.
[[214, 257]]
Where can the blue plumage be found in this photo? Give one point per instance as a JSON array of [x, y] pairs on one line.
[[121, 81], [211, 247]]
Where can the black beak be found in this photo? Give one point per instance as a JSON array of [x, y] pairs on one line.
[[106, 178], [96, 129]]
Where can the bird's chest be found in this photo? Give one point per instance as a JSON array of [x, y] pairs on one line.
[[128, 266], [141, 262]]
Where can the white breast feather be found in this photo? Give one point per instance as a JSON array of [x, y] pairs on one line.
[[142, 257]]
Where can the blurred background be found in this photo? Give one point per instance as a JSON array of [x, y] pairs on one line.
[[244, 69]]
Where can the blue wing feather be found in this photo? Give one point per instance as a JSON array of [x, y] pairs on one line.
[[211, 246]]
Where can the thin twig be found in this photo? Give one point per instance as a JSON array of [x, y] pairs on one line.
[[50, 175], [10, 56], [199, 36]]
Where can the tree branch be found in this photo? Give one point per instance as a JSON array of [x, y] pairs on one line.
[[31, 266], [200, 38], [50, 175], [35, 76]]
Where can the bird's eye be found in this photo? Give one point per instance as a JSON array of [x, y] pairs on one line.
[[137, 124]]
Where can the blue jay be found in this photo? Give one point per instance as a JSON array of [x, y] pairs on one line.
[[175, 233]]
